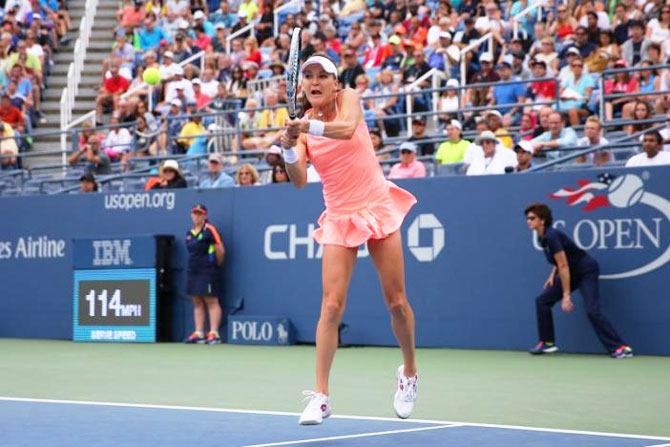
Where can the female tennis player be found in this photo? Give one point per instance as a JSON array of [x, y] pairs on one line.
[[361, 206]]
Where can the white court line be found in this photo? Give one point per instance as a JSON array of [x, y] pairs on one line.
[[363, 418], [659, 445], [361, 435]]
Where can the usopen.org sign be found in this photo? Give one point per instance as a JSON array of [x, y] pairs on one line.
[[617, 213], [292, 241]]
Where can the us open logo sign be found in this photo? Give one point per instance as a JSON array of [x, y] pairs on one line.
[[425, 253]]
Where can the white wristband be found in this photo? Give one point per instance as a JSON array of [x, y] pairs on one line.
[[290, 156], [316, 127]]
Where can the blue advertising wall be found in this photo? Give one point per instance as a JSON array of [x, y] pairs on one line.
[[472, 266]]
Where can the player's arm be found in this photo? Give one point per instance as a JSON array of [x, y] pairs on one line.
[[295, 158], [564, 274], [351, 114]]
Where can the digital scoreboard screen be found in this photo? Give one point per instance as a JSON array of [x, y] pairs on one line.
[[116, 305]]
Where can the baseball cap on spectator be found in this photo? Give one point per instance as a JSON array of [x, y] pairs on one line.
[[274, 149], [456, 124], [454, 52], [196, 81], [444, 35], [176, 102], [87, 177], [163, 43], [620, 63], [538, 62], [525, 146], [453, 82], [179, 85], [199, 15], [183, 25], [219, 26], [493, 112], [487, 135], [408, 146], [213, 127], [394, 40], [241, 14], [199, 207], [216, 158], [503, 64], [169, 54], [573, 50], [419, 120], [486, 57], [149, 54], [171, 164]]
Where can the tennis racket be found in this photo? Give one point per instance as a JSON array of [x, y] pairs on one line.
[[293, 72]]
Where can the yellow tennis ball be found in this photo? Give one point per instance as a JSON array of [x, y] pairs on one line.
[[151, 76]]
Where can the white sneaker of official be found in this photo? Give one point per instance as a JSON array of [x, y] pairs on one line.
[[405, 395], [318, 408]]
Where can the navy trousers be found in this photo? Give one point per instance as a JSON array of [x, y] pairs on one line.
[[584, 278]]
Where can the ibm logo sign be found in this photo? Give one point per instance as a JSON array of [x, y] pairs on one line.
[[114, 252]]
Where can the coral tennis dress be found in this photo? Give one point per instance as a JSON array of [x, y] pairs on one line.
[[360, 203]]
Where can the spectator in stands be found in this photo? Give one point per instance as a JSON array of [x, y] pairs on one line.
[[508, 94], [151, 36], [575, 92], [350, 69], [201, 99], [541, 91], [87, 183], [237, 85], [608, 47], [519, 69], [623, 82], [452, 150], [123, 54], [450, 102], [658, 30], [494, 120], [653, 155], [481, 96], [8, 148], [621, 24], [118, 142], [97, 161], [409, 166], [419, 134], [642, 111], [145, 137], [635, 48], [131, 15], [545, 113], [386, 106], [9, 113], [489, 156], [582, 42], [548, 54], [524, 155], [110, 92], [556, 137], [216, 177], [193, 128], [170, 176], [273, 157], [378, 145], [279, 174], [247, 175], [395, 60], [565, 24], [593, 137]]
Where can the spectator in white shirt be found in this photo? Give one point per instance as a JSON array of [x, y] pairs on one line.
[[489, 156], [665, 133], [169, 67], [652, 155], [593, 137], [208, 85], [118, 141]]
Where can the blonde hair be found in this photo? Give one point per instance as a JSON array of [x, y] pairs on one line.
[[594, 119], [254, 173]]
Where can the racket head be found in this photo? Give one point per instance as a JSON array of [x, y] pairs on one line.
[[293, 72]]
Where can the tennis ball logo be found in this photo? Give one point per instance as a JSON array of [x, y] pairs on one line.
[[151, 76], [625, 191]]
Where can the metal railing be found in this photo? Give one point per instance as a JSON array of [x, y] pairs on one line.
[[475, 44], [521, 14], [76, 67], [258, 85], [249, 28], [435, 76], [280, 9]]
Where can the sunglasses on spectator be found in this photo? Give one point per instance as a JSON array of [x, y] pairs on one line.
[[577, 65]]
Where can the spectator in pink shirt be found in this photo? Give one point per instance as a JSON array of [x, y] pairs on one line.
[[409, 166]]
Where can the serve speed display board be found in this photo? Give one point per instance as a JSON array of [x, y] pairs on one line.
[[114, 287], [115, 305]]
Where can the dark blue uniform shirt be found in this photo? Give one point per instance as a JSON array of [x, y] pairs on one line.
[[200, 246], [555, 241]]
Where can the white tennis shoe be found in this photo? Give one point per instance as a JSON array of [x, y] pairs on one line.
[[317, 409], [405, 395]]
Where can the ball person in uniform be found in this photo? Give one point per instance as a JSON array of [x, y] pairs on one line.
[[205, 258], [573, 269]]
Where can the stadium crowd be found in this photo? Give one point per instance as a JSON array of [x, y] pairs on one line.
[[544, 72], [30, 33]]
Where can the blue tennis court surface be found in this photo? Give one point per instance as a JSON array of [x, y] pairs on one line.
[[31, 422]]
